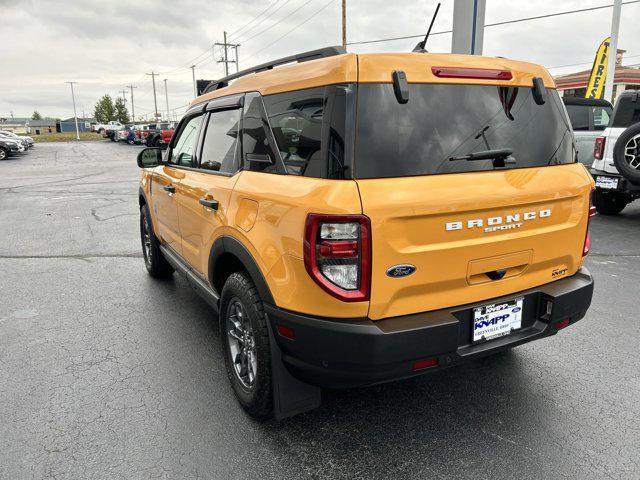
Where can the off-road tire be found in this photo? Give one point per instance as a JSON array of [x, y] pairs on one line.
[[609, 203], [4, 153], [622, 164], [156, 264], [256, 400]]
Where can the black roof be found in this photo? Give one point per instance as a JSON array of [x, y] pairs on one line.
[[591, 102]]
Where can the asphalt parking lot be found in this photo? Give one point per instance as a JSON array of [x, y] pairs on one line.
[[107, 373]]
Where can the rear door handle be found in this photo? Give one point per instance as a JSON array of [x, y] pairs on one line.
[[211, 203], [169, 188]]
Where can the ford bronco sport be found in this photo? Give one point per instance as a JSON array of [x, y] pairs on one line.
[[357, 219]]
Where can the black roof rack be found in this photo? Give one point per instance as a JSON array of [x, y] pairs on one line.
[[299, 58]]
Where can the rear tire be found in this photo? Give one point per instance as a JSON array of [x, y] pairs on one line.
[[247, 349], [626, 154], [156, 264], [609, 203]]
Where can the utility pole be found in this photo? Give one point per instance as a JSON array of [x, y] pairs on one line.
[[166, 97], [613, 51], [225, 57], [344, 24], [193, 74], [124, 93], [75, 115], [155, 99], [133, 112], [235, 48], [468, 26]]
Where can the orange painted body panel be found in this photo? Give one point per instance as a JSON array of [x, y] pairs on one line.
[[409, 217], [276, 238]]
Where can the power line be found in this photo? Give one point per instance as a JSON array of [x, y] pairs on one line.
[[293, 29], [254, 18], [506, 22], [263, 20], [278, 22]]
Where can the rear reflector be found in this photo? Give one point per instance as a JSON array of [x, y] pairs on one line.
[[286, 332], [562, 323], [481, 73], [425, 363]]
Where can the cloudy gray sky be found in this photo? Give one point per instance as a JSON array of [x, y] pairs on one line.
[[105, 45]]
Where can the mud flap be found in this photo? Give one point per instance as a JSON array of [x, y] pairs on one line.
[[290, 395]]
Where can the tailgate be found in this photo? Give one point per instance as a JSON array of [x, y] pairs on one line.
[[472, 236]]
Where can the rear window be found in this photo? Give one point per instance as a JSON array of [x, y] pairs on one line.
[[441, 122], [627, 112], [579, 116]]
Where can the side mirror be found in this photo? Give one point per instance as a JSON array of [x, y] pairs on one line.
[[149, 157]]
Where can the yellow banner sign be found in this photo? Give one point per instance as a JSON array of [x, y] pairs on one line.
[[599, 71]]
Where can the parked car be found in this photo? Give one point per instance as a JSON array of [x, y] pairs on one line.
[[10, 147], [102, 128], [26, 141], [159, 135], [348, 239], [589, 117], [616, 168]]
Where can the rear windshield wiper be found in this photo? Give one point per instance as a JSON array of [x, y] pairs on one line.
[[500, 157]]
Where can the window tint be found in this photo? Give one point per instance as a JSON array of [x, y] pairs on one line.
[[627, 112], [579, 116], [257, 152], [296, 121], [183, 151], [441, 124], [601, 117], [220, 146]]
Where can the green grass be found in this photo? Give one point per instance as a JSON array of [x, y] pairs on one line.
[[66, 137]]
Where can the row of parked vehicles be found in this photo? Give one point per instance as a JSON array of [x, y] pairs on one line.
[[608, 142], [12, 144], [152, 135]]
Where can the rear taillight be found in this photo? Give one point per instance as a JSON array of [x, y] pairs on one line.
[[598, 148], [337, 254], [587, 238]]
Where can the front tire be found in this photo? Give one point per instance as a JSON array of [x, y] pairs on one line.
[[247, 350], [609, 203], [4, 153], [156, 264]]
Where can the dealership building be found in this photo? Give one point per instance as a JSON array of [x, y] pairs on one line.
[[575, 84]]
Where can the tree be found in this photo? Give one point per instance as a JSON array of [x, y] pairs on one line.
[[36, 115], [104, 111], [121, 113]]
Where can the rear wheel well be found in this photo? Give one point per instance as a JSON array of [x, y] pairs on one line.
[[227, 264], [141, 201]]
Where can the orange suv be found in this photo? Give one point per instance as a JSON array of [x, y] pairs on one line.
[[357, 219]]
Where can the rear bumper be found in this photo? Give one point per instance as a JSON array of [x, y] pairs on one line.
[[624, 185], [341, 353]]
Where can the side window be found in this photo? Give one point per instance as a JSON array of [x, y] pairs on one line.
[[579, 116], [183, 151], [220, 147], [601, 117], [258, 156], [627, 112], [296, 121]]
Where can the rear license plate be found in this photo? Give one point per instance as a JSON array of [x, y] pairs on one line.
[[607, 183], [497, 319]]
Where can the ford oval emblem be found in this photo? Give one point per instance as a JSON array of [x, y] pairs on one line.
[[398, 271]]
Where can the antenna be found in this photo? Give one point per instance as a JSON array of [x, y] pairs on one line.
[[419, 48]]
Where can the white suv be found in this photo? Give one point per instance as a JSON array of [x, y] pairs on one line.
[[616, 168]]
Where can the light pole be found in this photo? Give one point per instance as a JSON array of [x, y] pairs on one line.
[[193, 74], [155, 100], [613, 51], [166, 97], [75, 115], [133, 112]]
